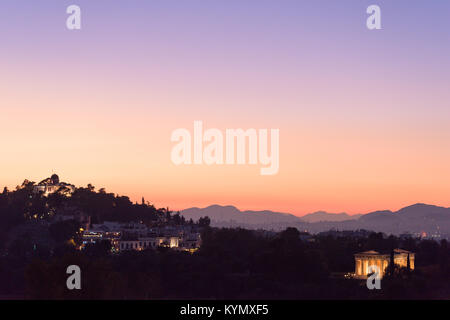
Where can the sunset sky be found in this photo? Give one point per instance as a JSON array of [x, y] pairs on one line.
[[364, 116]]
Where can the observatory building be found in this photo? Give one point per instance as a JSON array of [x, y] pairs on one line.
[[51, 185]]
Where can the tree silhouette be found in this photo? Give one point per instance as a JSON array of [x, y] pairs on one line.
[[408, 264], [204, 222], [391, 263]]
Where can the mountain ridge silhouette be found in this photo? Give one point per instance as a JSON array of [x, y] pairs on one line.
[[414, 218]]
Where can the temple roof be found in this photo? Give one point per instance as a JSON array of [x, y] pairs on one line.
[[401, 251], [369, 252], [373, 252]]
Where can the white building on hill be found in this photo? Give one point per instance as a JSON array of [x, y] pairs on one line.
[[51, 185]]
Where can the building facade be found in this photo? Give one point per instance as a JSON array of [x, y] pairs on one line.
[[364, 260], [148, 243], [137, 236]]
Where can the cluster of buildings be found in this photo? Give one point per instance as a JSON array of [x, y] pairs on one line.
[[137, 236], [122, 236]]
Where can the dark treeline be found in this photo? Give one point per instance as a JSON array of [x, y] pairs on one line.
[[21, 204], [29, 227], [231, 264], [23, 207]]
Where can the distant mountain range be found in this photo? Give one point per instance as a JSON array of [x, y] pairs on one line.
[[415, 219], [320, 216], [233, 216]]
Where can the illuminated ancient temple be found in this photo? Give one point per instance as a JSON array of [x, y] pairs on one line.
[[373, 258]]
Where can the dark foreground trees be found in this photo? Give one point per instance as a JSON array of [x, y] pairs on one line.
[[232, 264]]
